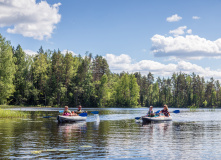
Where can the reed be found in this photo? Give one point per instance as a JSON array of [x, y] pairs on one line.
[[193, 108], [12, 114], [212, 109]]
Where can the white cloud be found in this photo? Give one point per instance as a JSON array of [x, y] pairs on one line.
[[195, 17], [117, 62], [187, 47], [189, 31], [174, 18], [178, 31], [189, 68], [65, 51], [30, 52], [28, 18], [124, 62]]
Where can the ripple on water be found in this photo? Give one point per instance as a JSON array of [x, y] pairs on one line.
[[116, 136]]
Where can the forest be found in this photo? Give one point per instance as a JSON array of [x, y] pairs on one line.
[[51, 78]]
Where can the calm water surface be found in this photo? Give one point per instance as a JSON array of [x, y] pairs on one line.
[[191, 135]]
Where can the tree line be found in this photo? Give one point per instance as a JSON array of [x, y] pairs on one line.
[[51, 78]]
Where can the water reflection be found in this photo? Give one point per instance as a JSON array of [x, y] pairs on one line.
[[160, 127], [71, 130], [115, 136], [96, 125]]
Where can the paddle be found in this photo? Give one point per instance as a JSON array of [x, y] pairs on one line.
[[49, 116], [176, 111], [137, 118], [83, 114], [95, 112], [157, 112]]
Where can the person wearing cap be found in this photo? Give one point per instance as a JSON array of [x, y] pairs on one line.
[[79, 111], [150, 113], [66, 111], [165, 111]]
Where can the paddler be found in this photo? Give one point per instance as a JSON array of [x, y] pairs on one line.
[[150, 113], [79, 110], [165, 111], [66, 112]]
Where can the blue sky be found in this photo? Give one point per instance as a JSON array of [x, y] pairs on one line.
[[161, 36]]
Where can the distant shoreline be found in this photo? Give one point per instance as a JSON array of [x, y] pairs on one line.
[[13, 106]]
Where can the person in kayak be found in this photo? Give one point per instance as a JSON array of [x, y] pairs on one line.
[[150, 113], [165, 111], [79, 111], [66, 112]]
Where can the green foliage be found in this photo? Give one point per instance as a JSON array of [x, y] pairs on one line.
[[205, 103], [22, 77], [7, 70], [127, 91], [51, 78], [134, 90], [99, 68]]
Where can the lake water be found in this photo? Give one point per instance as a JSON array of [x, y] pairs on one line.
[[191, 135]]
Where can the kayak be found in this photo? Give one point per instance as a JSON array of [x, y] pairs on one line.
[[62, 119], [157, 118]]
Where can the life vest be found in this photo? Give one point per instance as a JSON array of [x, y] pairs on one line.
[[79, 111], [67, 113], [149, 112], [165, 112]]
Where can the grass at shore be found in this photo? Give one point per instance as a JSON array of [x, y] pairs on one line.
[[12, 114], [13, 106]]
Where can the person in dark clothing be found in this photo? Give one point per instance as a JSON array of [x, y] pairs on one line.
[[79, 110], [165, 111]]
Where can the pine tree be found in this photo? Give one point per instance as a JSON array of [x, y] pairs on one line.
[[7, 70], [20, 76]]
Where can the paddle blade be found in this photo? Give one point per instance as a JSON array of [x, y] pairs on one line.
[[137, 118], [157, 111], [83, 114], [47, 116], [176, 111], [95, 112]]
